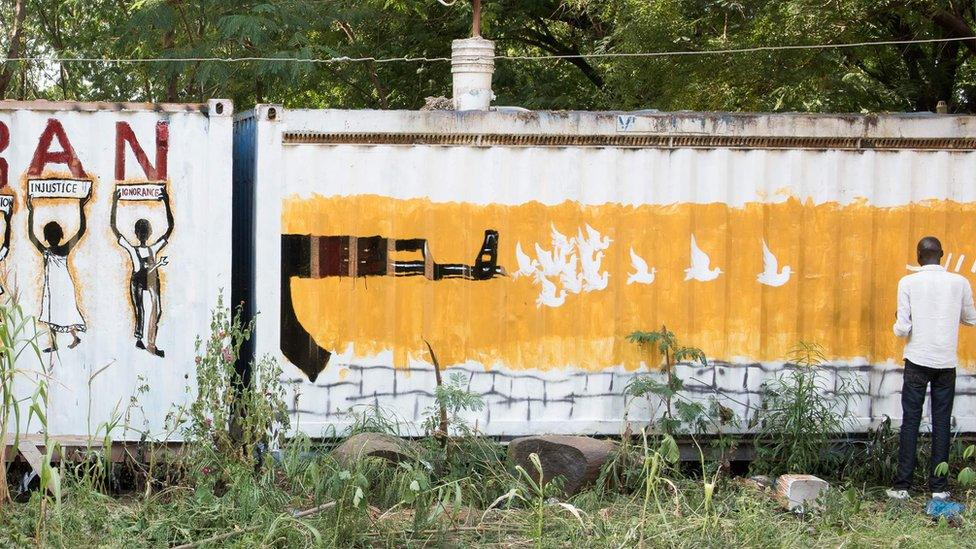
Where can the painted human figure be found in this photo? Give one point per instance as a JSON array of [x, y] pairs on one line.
[[146, 263], [5, 247], [59, 304]]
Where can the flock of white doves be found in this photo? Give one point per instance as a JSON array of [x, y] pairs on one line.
[[575, 264]]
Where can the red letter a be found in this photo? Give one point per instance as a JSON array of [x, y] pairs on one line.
[[43, 155]]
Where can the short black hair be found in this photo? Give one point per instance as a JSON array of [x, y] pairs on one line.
[[929, 244], [929, 251]]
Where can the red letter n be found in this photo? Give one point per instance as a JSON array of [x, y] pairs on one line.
[[124, 134], [44, 156]]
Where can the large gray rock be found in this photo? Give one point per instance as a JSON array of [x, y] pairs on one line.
[[577, 459], [381, 445]]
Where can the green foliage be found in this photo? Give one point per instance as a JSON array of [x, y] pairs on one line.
[[878, 78], [801, 414], [680, 412], [231, 416], [18, 342], [454, 398], [538, 496], [967, 476]]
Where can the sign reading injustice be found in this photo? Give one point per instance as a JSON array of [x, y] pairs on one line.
[[59, 188]]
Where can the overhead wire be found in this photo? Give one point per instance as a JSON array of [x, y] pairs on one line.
[[502, 57]]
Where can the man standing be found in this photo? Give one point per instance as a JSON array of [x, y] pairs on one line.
[[931, 304]]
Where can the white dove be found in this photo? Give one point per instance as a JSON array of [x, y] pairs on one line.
[[548, 295], [596, 283], [562, 245], [643, 275], [699, 269], [593, 279], [571, 280], [527, 265], [770, 276], [598, 241], [547, 261]]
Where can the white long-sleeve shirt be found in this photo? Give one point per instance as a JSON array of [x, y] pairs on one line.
[[931, 305]]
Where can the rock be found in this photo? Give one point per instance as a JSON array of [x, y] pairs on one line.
[[800, 492], [577, 459], [381, 445]]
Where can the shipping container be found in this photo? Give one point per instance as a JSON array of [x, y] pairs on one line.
[[117, 242], [521, 248]]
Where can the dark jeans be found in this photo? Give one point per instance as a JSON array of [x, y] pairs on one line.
[[917, 379]]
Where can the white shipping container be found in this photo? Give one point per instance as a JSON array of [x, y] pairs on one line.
[[117, 235], [521, 248]]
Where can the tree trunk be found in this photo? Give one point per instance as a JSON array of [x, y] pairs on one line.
[[13, 51]]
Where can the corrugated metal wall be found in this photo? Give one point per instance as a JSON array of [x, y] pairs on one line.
[[130, 211], [524, 247]]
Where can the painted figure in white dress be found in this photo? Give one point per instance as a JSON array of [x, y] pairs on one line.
[[144, 281], [59, 303]]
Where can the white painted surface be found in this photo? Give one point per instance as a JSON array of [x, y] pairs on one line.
[[92, 384], [568, 400]]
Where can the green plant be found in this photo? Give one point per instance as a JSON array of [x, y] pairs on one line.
[[454, 398], [534, 492], [679, 410], [653, 464], [874, 459], [18, 341], [231, 417], [801, 414], [967, 476]]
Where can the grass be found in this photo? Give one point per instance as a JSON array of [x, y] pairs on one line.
[[238, 482], [743, 514]]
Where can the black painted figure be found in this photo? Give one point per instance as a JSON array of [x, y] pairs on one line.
[[59, 302], [146, 263], [5, 247]]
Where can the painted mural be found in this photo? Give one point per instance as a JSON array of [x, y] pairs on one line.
[[311, 257], [91, 218], [569, 233], [57, 222], [738, 282]]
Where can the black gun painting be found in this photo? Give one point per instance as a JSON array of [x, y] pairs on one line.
[[313, 257]]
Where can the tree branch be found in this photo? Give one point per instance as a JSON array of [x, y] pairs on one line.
[[549, 43], [955, 26], [20, 12]]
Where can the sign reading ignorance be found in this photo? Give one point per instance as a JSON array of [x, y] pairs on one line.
[[6, 203], [141, 192], [59, 188]]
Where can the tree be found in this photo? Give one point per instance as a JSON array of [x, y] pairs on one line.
[[876, 78]]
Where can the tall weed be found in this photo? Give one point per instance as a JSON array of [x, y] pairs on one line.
[[801, 415]]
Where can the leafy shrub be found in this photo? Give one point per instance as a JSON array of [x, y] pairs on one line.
[[680, 412], [232, 416]]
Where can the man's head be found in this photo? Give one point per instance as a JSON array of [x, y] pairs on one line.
[[929, 251], [53, 233], [143, 229]]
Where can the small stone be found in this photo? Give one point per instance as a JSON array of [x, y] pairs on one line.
[[577, 459], [391, 448], [800, 492]]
